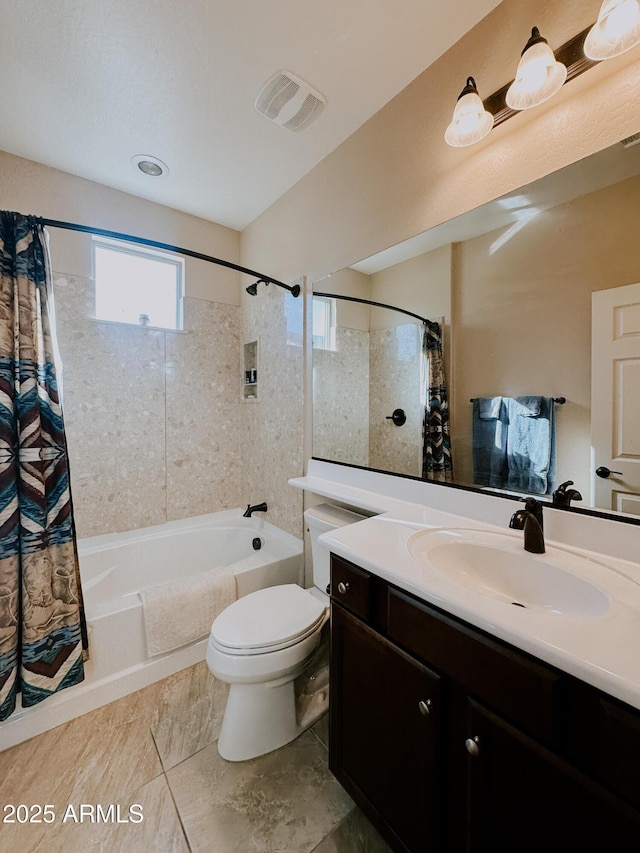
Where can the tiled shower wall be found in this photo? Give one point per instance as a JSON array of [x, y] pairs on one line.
[[271, 434], [395, 384], [152, 417], [341, 399]]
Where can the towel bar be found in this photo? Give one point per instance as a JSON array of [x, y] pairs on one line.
[[559, 400]]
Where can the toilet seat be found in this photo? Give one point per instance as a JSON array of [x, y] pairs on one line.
[[267, 620]]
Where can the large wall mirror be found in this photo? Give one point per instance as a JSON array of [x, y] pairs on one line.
[[538, 296]]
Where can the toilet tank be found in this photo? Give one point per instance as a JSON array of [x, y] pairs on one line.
[[319, 519]]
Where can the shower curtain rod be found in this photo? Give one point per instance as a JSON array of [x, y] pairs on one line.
[[370, 302], [559, 400], [154, 244]]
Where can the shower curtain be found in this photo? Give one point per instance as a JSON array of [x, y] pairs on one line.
[[437, 463], [43, 634]]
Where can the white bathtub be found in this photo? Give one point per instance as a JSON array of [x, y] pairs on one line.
[[116, 566]]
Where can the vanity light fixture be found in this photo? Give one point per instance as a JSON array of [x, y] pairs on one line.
[[616, 31], [539, 75], [471, 122]]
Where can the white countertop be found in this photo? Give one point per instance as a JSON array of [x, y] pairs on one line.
[[602, 650]]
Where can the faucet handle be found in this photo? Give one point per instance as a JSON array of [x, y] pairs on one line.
[[532, 505], [563, 496]]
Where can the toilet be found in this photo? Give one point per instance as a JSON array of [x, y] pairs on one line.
[[262, 642]]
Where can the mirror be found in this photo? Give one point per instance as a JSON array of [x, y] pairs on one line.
[[512, 284], [368, 403]]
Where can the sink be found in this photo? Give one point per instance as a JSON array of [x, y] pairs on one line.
[[496, 565]]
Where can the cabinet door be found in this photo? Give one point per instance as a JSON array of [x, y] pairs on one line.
[[386, 733], [521, 797]]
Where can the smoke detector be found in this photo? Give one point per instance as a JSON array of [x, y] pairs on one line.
[[289, 101]]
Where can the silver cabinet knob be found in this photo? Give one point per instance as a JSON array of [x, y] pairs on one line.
[[425, 706], [473, 746], [343, 588]]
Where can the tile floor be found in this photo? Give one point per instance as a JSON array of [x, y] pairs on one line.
[[156, 749]]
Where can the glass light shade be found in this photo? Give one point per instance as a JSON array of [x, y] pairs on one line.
[[470, 122], [616, 30], [538, 78]]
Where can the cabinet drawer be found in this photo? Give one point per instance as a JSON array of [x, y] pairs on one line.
[[518, 687], [619, 750], [351, 587]]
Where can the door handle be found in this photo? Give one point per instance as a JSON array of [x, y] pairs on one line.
[[604, 472]]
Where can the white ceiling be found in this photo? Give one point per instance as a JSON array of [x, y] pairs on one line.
[[87, 84]]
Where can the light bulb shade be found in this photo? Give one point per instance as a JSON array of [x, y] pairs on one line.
[[539, 75], [470, 122], [616, 30]]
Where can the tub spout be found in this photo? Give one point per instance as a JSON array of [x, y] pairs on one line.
[[257, 508]]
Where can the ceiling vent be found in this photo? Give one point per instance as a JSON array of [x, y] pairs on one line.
[[630, 141], [289, 101]]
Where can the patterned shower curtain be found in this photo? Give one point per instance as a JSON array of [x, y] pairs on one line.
[[43, 634], [437, 463]]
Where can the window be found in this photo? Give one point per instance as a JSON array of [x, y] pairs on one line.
[[136, 285], [324, 326]]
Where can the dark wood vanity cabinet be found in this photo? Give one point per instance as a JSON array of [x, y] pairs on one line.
[[386, 741], [450, 740]]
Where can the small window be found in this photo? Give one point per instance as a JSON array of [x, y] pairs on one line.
[[136, 285], [324, 327]]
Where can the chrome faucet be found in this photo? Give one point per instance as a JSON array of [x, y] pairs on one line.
[[257, 508], [529, 519], [563, 496]]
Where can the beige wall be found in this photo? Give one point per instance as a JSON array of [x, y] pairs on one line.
[[522, 314], [395, 177], [30, 187], [421, 285], [152, 417]]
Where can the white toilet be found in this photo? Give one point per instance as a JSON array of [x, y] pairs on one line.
[[261, 643]]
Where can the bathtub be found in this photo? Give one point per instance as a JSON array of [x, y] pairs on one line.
[[116, 566]]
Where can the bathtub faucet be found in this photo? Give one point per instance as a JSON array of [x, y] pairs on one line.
[[257, 508]]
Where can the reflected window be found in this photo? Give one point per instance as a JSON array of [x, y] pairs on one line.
[[324, 323], [294, 316], [407, 337]]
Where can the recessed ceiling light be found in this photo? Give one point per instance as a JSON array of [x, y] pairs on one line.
[[150, 166]]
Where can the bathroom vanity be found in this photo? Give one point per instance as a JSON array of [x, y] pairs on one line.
[[450, 739]]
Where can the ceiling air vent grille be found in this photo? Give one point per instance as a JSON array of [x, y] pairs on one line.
[[289, 101], [630, 141]]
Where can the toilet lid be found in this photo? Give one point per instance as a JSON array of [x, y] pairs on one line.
[[275, 617]]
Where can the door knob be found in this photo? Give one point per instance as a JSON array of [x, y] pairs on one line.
[[473, 746], [604, 472], [425, 706]]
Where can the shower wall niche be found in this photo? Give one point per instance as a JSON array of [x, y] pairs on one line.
[[250, 372]]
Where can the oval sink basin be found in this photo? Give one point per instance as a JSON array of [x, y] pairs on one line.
[[496, 565]]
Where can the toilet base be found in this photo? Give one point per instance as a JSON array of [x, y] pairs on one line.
[[258, 718]]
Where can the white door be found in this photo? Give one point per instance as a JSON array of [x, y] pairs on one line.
[[615, 398]]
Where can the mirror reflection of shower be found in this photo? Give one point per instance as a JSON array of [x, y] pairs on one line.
[[367, 363]]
